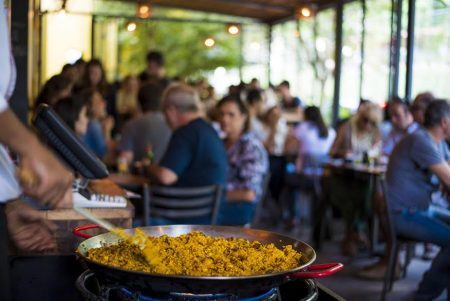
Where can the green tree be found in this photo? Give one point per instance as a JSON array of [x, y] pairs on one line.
[[182, 43]]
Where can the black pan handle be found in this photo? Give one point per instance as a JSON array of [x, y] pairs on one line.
[[77, 231], [318, 270]]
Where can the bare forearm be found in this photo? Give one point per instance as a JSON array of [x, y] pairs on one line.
[[162, 175], [15, 135], [246, 195]]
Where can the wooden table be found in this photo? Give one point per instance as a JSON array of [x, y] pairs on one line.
[[135, 183], [364, 168], [128, 180], [375, 174]]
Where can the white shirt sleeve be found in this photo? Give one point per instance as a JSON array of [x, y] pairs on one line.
[[7, 66], [3, 104], [10, 188]]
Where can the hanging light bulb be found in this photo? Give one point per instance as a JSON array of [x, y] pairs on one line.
[[233, 29], [305, 11], [210, 42], [131, 26], [144, 10]]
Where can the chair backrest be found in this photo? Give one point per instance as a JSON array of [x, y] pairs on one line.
[[264, 197], [183, 203], [386, 211]]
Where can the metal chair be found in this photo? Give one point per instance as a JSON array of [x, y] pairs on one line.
[[265, 195], [397, 241], [177, 203]]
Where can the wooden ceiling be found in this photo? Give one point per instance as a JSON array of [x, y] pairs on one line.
[[268, 11]]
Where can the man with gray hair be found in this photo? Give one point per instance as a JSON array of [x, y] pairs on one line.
[[195, 155], [418, 164]]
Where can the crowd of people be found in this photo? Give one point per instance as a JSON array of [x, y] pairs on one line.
[[253, 140]]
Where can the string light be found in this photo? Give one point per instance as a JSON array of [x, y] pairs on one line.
[[305, 11], [233, 29], [131, 26], [209, 42], [144, 10]]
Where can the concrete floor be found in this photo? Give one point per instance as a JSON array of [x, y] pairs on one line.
[[346, 283]]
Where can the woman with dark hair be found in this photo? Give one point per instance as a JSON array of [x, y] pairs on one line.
[[247, 164], [98, 134], [94, 77], [73, 111], [55, 88], [314, 142]]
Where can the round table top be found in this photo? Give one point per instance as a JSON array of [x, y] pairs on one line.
[[358, 167]]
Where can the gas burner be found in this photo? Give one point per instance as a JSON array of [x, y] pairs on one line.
[[91, 290], [270, 295]]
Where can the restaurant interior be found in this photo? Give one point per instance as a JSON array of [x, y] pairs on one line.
[[251, 150]]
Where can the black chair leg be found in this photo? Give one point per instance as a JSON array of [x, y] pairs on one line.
[[146, 204], [393, 266], [390, 273], [410, 250]]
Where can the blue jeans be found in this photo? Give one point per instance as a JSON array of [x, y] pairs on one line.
[[160, 221], [431, 225], [236, 213]]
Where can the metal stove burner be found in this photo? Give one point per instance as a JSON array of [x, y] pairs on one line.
[[270, 295], [90, 289]]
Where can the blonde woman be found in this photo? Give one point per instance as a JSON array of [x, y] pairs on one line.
[[359, 134], [350, 192]]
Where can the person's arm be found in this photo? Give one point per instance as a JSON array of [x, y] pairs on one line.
[[442, 171], [252, 166], [162, 174], [339, 148], [53, 185], [246, 195], [176, 159], [29, 230]]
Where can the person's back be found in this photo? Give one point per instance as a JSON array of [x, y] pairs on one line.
[[197, 155], [147, 130], [311, 142]]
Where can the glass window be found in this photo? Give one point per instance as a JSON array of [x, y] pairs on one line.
[[65, 38], [431, 71], [351, 56], [106, 45], [255, 53], [285, 63], [375, 85], [303, 54]]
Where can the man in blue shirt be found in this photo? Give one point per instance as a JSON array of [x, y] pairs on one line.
[[414, 162], [195, 155]]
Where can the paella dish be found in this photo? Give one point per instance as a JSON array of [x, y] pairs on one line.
[[196, 254]]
